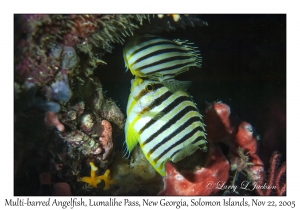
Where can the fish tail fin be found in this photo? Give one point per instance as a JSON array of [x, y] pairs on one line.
[[192, 50]]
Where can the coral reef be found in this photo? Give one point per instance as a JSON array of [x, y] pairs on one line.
[[50, 76], [50, 41]]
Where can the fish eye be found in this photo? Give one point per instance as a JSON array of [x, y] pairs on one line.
[[150, 87]]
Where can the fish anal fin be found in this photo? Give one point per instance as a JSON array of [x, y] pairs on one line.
[[132, 138]]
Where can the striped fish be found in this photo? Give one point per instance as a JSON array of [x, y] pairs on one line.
[[161, 59], [166, 125]]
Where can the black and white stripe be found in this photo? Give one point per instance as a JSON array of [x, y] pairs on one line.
[[165, 122], [159, 58]]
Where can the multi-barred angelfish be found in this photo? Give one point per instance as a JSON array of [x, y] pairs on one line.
[[167, 125], [161, 59]]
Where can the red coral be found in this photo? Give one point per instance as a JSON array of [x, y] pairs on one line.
[[242, 139], [217, 121], [245, 139], [202, 182], [219, 129]]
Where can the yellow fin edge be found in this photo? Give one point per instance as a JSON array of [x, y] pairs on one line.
[[132, 137]]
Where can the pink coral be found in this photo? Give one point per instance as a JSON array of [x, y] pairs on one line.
[[106, 138], [217, 121], [238, 138], [245, 139]]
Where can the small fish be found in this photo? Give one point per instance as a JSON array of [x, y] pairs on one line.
[[161, 59], [168, 126]]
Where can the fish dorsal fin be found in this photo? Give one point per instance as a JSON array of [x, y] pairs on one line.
[[174, 85], [132, 138], [186, 151]]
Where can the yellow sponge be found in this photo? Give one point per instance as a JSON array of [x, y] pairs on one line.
[[94, 180]]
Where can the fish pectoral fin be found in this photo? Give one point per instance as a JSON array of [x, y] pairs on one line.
[[132, 138], [186, 151], [175, 85]]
